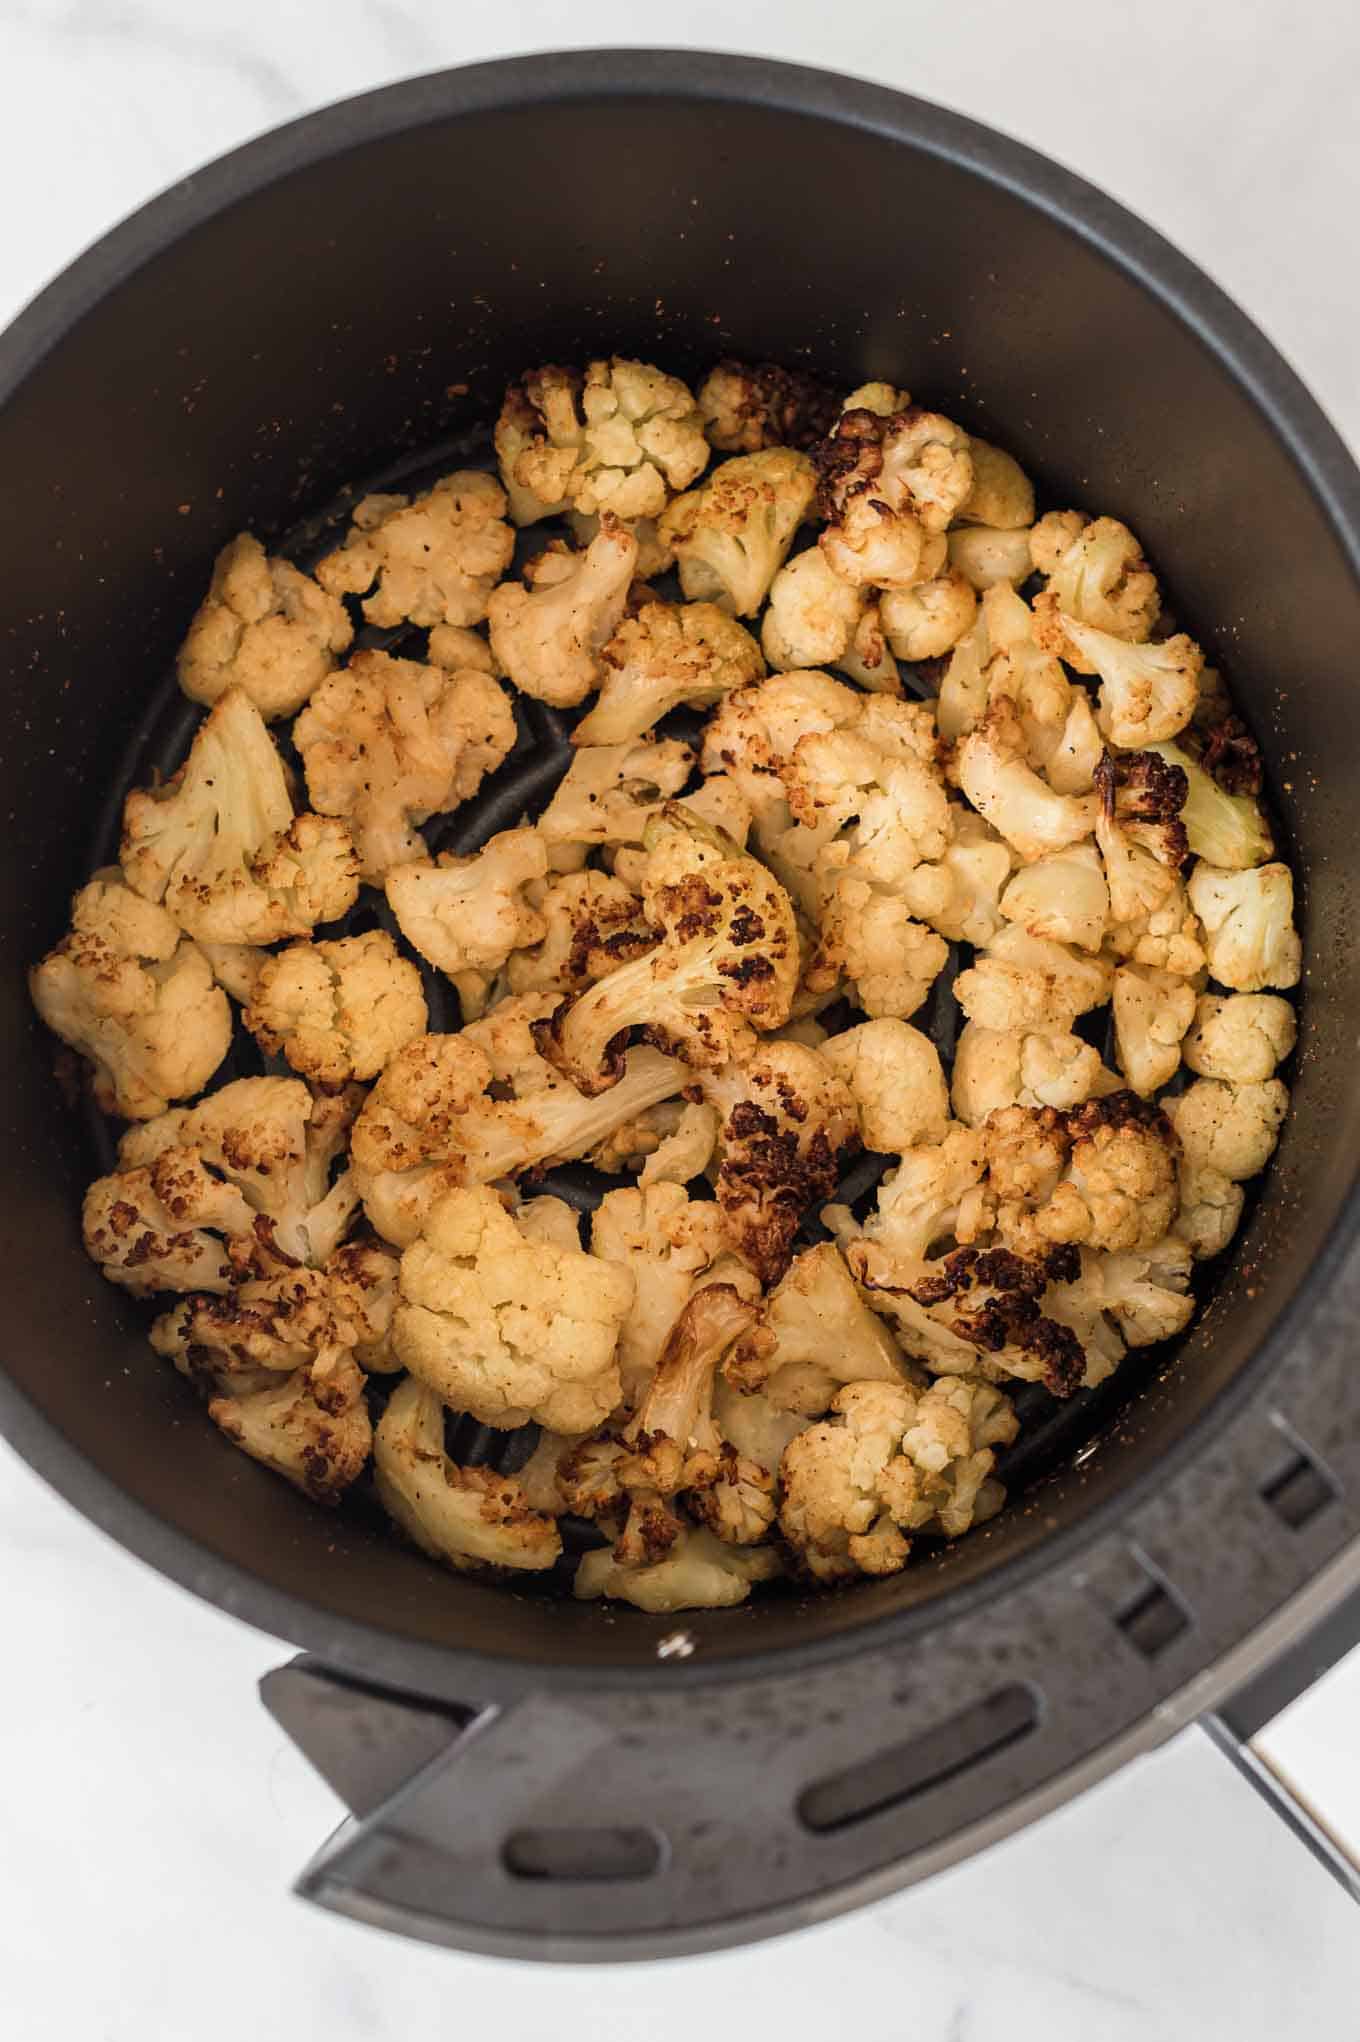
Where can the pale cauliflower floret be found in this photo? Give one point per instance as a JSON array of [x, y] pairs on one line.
[[136, 997], [812, 615], [1240, 1038], [697, 1572], [469, 1517], [814, 1334], [508, 1329], [431, 559], [896, 1461], [959, 897], [899, 1088], [621, 439], [219, 845], [550, 638], [338, 1010], [1002, 494], [999, 1067], [466, 915], [877, 786], [986, 556], [1229, 1128], [872, 939], [1147, 1292], [1223, 828], [752, 734], [747, 407], [610, 792], [1062, 896], [665, 655], [994, 774], [998, 658], [923, 1200], [1249, 920], [686, 1149], [1208, 1210], [883, 398], [593, 923], [1147, 692], [1023, 981], [717, 801], [930, 617], [887, 482], [666, 1241], [757, 1429], [236, 967], [1100, 580], [868, 659], [389, 742], [1052, 536], [1152, 1010], [265, 627], [459, 649], [1165, 938], [732, 536]]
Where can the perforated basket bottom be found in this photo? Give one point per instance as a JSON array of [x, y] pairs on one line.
[[1052, 1431]]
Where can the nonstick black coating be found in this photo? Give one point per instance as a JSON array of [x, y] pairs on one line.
[[356, 290]]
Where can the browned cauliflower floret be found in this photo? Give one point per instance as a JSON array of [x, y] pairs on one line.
[[1165, 938], [620, 439], [789, 1122], [892, 1461], [389, 742], [924, 1200], [165, 1225], [999, 1067], [747, 407], [219, 845], [363, 1281], [814, 1334], [550, 637], [472, 1108], [608, 795], [886, 481], [1147, 692], [507, 1328], [592, 924], [667, 1241], [466, 915], [317, 1440], [338, 1010], [459, 649], [959, 894], [291, 1318], [1002, 495], [664, 655], [1117, 1188], [1099, 578], [726, 965], [1011, 1316], [752, 734], [135, 996], [899, 1089], [264, 627], [697, 1572], [468, 1517], [431, 559], [873, 940], [1023, 981], [929, 618], [732, 536]]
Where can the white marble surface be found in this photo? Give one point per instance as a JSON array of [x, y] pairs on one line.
[[153, 1815]]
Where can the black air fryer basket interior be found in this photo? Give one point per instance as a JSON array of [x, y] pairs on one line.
[[348, 297]]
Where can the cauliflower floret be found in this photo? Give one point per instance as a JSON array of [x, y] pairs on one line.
[[1023, 981], [459, 649], [755, 1427], [788, 1124], [899, 1089], [1139, 832], [987, 557], [1240, 1038], [1147, 1293], [812, 616], [264, 627], [664, 655], [1223, 827], [1002, 494], [994, 774], [977, 1312], [363, 1283], [1208, 1210], [610, 792], [551, 638], [592, 924], [482, 1105], [1229, 1128], [697, 1572], [164, 1225], [922, 1201], [1147, 692], [236, 967], [1063, 897], [389, 742], [1152, 1010], [431, 559], [885, 483], [814, 1334], [549, 1219], [732, 536], [339, 1010], [219, 845], [508, 1329], [666, 1240], [317, 1437], [466, 915], [960, 896], [930, 617], [136, 997], [752, 734], [893, 1460], [872, 939], [999, 1067], [747, 407], [868, 658], [622, 440], [1165, 938], [469, 1517], [998, 658], [727, 963], [1100, 580], [877, 787], [1249, 920], [1117, 1189], [686, 1149]]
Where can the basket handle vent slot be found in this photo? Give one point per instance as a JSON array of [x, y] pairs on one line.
[[906, 1770]]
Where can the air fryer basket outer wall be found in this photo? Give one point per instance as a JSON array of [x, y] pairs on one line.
[[363, 283]]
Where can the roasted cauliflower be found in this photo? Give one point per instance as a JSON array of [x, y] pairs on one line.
[[263, 627], [337, 1011], [429, 560], [663, 656], [732, 536]]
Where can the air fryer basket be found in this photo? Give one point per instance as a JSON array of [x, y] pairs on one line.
[[350, 293]]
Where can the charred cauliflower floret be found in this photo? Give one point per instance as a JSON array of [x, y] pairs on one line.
[[287, 1321], [994, 774], [813, 614], [472, 1108], [507, 1328], [1240, 1038], [697, 1572], [1029, 982], [1230, 1128], [363, 1284], [317, 1436], [747, 407], [667, 1241], [726, 965], [264, 627], [663, 656], [466, 915], [1248, 918], [1098, 578], [886, 481], [219, 845], [621, 439], [814, 1334], [1000, 1067], [428, 560], [752, 734], [592, 924], [892, 1461], [1139, 832], [128, 990], [732, 536], [550, 637], [1116, 1189], [337, 1011], [899, 1089], [389, 742], [467, 1517], [1223, 822]]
